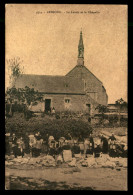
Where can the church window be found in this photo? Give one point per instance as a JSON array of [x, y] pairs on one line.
[[67, 101], [66, 85]]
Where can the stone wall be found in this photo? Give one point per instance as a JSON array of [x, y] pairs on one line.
[[39, 107], [91, 83], [77, 103]]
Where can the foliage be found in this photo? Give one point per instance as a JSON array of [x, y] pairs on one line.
[[101, 109], [57, 128], [57, 116], [26, 95], [120, 103], [113, 120], [15, 68]]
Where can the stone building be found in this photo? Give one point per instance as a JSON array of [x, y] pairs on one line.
[[78, 91]]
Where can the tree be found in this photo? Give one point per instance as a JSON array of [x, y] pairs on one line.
[[101, 109], [26, 95], [15, 69], [120, 104]]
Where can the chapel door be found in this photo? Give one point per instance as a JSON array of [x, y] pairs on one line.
[[47, 105], [88, 108]]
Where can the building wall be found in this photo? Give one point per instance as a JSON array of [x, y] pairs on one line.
[[91, 84], [77, 103], [39, 107]]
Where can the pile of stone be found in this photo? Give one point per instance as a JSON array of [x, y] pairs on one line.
[[48, 161], [39, 161], [73, 163], [104, 161]]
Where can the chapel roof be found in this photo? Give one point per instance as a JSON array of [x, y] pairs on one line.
[[78, 69], [51, 84]]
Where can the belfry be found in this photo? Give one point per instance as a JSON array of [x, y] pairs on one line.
[[80, 51]]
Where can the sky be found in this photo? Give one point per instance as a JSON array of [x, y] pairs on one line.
[[48, 42]]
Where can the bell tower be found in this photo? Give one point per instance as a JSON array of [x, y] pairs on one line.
[[80, 60]]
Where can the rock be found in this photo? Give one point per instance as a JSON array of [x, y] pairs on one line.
[[6, 157], [125, 147], [27, 155], [39, 160], [104, 155], [32, 161], [42, 155], [39, 165], [116, 159], [11, 157], [123, 162], [78, 155], [17, 160], [84, 164], [72, 163], [8, 163], [109, 164], [59, 159], [120, 162], [102, 160], [91, 162], [19, 157], [48, 161], [24, 160], [89, 155]]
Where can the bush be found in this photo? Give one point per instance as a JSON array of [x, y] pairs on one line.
[[57, 116], [57, 128]]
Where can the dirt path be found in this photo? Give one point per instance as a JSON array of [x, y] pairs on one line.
[[96, 178]]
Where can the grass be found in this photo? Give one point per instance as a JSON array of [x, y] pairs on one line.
[[40, 184]]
